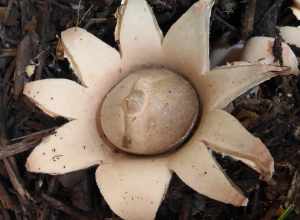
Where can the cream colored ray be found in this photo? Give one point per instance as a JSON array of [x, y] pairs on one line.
[[93, 61], [59, 97], [296, 12], [195, 165], [290, 35], [74, 146], [222, 85], [134, 187], [249, 163], [139, 35], [186, 45], [224, 134], [261, 49], [296, 8]]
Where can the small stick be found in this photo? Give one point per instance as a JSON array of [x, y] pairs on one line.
[[6, 200], [9, 163], [248, 23], [223, 21], [52, 187], [85, 14], [13, 149], [186, 208], [38, 134], [5, 215], [15, 181], [72, 211], [9, 52], [78, 13], [93, 21]]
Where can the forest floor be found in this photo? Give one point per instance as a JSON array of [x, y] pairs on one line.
[[29, 35]]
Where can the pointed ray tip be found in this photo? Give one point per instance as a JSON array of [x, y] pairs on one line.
[[240, 200], [245, 202], [282, 70]]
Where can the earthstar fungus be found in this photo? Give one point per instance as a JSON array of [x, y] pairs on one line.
[[157, 97]]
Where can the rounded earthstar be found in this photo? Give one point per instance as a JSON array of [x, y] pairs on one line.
[[135, 88]]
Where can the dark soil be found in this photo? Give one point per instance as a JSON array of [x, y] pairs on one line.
[[29, 34]]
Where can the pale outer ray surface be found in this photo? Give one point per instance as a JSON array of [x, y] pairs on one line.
[[134, 186], [290, 35], [296, 8]]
